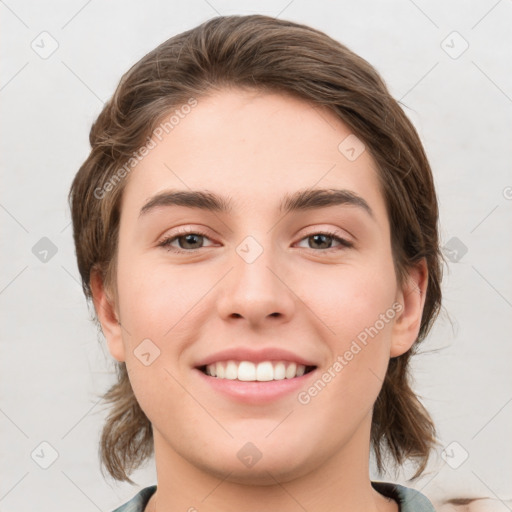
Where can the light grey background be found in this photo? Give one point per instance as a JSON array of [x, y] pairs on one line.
[[52, 363]]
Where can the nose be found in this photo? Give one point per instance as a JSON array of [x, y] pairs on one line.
[[258, 292]]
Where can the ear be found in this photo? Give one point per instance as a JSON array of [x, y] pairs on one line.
[[412, 298], [108, 317]]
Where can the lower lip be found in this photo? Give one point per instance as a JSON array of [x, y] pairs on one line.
[[256, 392]]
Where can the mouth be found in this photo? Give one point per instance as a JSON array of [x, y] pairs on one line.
[[249, 376], [248, 371]]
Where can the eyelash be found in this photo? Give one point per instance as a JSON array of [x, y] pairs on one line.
[[166, 242]]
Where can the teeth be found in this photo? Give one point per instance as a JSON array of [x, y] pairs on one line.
[[264, 371], [279, 371], [249, 372], [231, 370], [291, 371], [221, 370]]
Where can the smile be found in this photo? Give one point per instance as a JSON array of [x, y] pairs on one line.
[[263, 371]]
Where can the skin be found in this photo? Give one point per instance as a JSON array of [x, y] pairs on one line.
[[256, 147]]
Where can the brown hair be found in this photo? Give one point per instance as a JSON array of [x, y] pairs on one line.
[[269, 54]]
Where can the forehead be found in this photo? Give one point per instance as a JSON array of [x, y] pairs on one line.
[[255, 148]]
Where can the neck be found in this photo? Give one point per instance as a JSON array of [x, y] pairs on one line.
[[338, 484]]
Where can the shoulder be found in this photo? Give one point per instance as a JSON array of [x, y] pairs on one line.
[[409, 500], [139, 501]]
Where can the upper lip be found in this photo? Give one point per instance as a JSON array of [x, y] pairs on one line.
[[255, 356]]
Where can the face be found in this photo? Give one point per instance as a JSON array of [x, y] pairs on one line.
[[258, 321]]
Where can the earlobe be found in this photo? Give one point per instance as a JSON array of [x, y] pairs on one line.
[[107, 315], [408, 321]]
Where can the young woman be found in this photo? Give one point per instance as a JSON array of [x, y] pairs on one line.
[[256, 225]]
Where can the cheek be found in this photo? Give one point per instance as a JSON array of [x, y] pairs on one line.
[[156, 299], [355, 373], [349, 298], [156, 306], [357, 308]]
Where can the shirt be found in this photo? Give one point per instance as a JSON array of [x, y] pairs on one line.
[[409, 500]]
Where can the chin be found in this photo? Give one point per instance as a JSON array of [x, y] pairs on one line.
[[250, 467], [259, 475]]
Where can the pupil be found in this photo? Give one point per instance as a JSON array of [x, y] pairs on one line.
[[316, 237], [189, 239]]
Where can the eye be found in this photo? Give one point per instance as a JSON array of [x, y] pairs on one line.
[[188, 241], [325, 240]]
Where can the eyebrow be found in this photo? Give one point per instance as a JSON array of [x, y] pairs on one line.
[[300, 200]]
